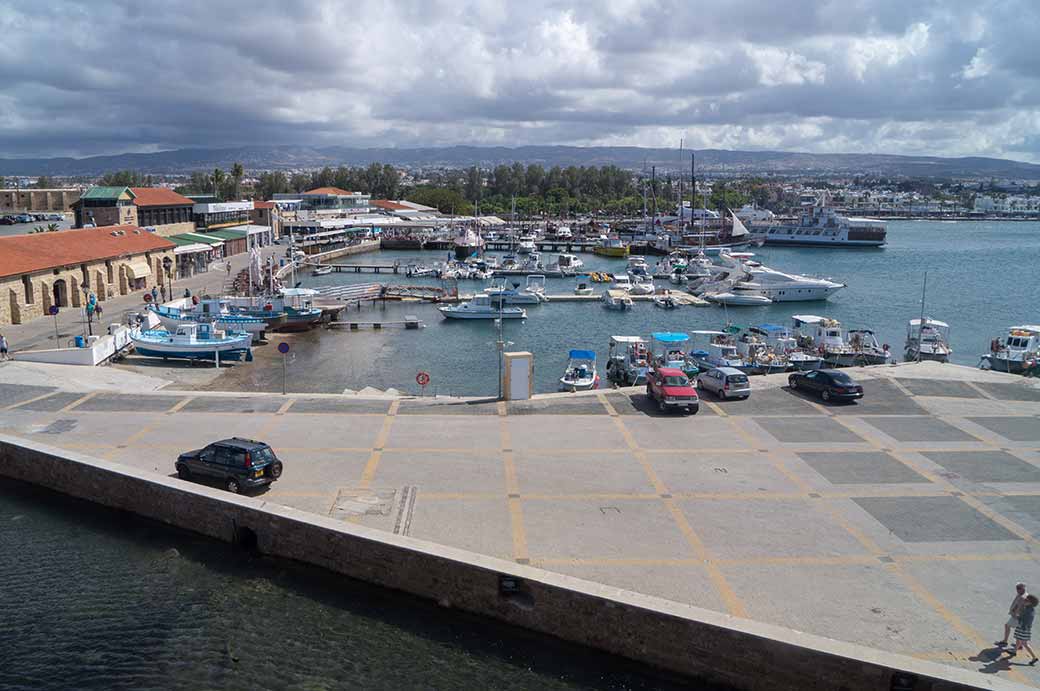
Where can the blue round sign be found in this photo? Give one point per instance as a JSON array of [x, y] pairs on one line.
[[53, 310], [283, 347]]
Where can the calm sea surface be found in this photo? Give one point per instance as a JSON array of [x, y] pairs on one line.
[[982, 278], [94, 599]]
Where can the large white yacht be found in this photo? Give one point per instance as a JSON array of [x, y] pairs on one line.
[[778, 286], [822, 226]]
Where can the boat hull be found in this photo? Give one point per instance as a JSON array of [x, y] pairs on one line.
[[804, 365], [999, 364], [465, 251], [912, 355], [484, 315], [855, 359], [611, 251], [801, 242], [572, 386], [180, 353]]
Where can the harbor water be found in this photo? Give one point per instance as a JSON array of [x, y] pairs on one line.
[[981, 279], [97, 599]]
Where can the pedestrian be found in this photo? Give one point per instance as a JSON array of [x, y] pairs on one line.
[[187, 293], [3, 348], [162, 292], [1024, 628], [1013, 612], [228, 267], [155, 294]]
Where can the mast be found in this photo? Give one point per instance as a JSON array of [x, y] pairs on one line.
[[920, 327], [653, 190], [682, 214]]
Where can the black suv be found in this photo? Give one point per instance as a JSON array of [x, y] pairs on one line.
[[237, 464]]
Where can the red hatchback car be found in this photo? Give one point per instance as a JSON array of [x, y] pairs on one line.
[[672, 390]]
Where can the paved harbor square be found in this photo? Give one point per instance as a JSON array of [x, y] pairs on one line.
[[901, 522]]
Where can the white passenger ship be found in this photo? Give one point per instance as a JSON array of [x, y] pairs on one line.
[[824, 227]]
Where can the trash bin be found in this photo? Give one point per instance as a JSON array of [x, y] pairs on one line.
[[81, 342]]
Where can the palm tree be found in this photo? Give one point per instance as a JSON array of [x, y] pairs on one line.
[[237, 171], [218, 181]]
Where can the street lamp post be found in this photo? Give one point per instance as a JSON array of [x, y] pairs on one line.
[[168, 267]]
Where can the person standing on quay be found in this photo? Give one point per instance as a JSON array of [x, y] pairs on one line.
[[1014, 611], [3, 348], [1024, 628]]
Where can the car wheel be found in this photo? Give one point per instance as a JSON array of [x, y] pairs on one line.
[[793, 383], [276, 470], [183, 472], [826, 395], [661, 406], [232, 486], [693, 409]]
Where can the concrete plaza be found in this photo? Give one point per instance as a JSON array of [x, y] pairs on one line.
[[901, 522]]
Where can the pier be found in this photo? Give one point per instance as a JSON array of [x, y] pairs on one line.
[[410, 322]]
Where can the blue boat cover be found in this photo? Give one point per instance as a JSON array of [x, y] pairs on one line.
[[669, 337], [583, 355], [770, 327]]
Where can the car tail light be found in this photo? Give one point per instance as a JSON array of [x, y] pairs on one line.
[[725, 386], [249, 459]]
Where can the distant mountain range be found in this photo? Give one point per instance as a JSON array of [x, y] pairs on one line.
[[713, 161]]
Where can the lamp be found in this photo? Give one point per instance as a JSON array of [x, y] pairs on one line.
[[168, 267]]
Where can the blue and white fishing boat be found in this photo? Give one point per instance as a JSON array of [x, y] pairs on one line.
[[668, 349], [195, 341], [208, 311], [718, 351], [580, 374]]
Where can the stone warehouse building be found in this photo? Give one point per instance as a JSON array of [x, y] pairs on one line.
[[157, 208], [44, 269], [32, 200]]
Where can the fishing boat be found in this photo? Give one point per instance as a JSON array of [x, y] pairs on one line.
[[583, 287], [480, 307], [779, 338], [628, 360], [719, 350], [1019, 352], [617, 300], [866, 349], [764, 359], [666, 302], [300, 313], [668, 349], [611, 247], [194, 341], [927, 339], [208, 311], [580, 374]]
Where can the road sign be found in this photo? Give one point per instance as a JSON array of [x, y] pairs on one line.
[[283, 347], [422, 379], [53, 310]]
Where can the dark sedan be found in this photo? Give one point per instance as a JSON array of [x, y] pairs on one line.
[[829, 384]]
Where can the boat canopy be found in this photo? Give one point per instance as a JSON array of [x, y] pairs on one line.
[[627, 339], [930, 322], [669, 337], [299, 292], [1026, 327], [709, 333], [582, 355], [808, 318]]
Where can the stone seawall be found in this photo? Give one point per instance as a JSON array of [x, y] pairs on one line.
[[687, 640]]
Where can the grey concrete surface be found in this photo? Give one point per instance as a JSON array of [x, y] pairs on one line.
[[857, 522]]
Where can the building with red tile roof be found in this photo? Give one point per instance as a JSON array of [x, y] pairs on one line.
[[39, 270]]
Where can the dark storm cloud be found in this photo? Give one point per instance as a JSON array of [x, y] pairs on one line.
[[99, 76]]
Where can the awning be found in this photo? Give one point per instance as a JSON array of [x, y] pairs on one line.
[[193, 248], [138, 270]]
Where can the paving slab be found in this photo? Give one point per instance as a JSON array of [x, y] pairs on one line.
[[443, 471], [572, 433], [53, 403], [236, 404], [479, 525], [424, 408], [729, 472], [444, 432], [742, 529], [689, 584], [578, 405], [806, 430], [1012, 428], [315, 430], [602, 528], [940, 387], [933, 519], [860, 467], [11, 394], [985, 465], [918, 428], [1010, 392], [779, 401], [316, 471], [692, 432], [880, 397], [128, 403], [541, 472], [338, 406]]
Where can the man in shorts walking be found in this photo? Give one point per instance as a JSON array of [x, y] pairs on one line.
[[3, 348], [1014, 612]]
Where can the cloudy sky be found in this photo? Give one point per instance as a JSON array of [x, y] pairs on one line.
[[82, 77]]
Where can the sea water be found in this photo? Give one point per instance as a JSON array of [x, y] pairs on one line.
[[982, 278]]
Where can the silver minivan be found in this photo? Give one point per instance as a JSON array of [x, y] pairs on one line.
[[725, 382]]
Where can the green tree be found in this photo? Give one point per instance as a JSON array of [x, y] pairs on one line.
[[217, 179], [44, 183], [237, 173], [122, 178], [444, 200]]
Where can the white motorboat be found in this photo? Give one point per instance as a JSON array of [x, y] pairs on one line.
[[866, 349], [480, 307], [622, 282], [642, 285], [637, 266], [1017, 353], [583, 287], [617, 300], [779, 338], [666, 302], [628, 360], [198, 341], [678, 277], [927, 340], [564, 233], [322, 271], [512, 294], [739, 297], [778, 286], [535, 285], [668, 349], [580, 374], [526, 245], [208, 311], [568, 263]]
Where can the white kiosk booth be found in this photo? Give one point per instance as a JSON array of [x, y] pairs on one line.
[[518, 376]]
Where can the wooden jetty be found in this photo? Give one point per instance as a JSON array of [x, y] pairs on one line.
[[409, 323]]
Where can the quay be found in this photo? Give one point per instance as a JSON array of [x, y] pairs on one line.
[[899, 522]]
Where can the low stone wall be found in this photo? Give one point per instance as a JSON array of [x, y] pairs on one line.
[[686, 640]]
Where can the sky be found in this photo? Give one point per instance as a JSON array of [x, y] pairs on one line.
[[947, 78]]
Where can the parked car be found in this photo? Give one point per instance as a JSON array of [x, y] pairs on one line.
[[237, 464], [725, 382], [830, 384], [7, 221], [23, 218], [672, 390], [55, 217]]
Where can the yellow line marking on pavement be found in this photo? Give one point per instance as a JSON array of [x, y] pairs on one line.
[[78, 401], [457, 496], [565, 561], [716, 407], [611, 410], [500, 408], [285, 407], [718, 579], [479, 450], [179, 405], [954, 421], [606, 496], [31, 400], [899, 385], [377, 452], [513, 501], [848, 560], [981, 391]]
